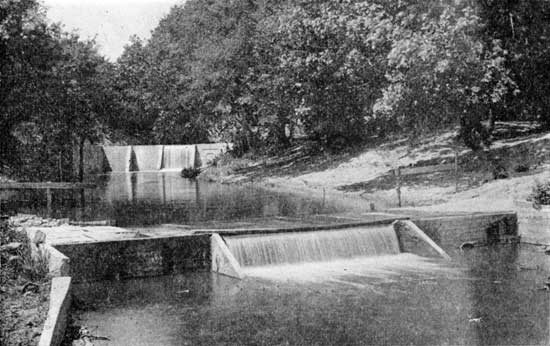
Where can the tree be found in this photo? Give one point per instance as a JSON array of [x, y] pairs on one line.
[[53, 97], [332, 52], [441, 73], [523, 28]]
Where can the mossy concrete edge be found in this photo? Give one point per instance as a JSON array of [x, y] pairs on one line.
[[53, 331]]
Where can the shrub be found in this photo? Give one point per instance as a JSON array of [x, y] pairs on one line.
[[20, 262], [540, 194], [190, 173]]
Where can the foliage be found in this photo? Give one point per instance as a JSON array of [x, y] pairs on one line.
[[523, 29], [330, 67], [190, 75], [190, 173], [20, 263], [258, 72], [53, 92], [441, 73], [261, 73], [540, 194]]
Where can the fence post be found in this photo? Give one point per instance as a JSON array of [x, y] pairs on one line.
[[397, 173], [456, 171], [49, 201]]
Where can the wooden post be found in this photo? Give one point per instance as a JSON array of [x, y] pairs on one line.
[[323, 205], [397, 173], [456, 171], [49, 201]]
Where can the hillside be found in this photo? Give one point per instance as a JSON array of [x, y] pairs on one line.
[[519, 156]]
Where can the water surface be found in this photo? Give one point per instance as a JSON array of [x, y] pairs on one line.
[[487, 296], [153, 198]]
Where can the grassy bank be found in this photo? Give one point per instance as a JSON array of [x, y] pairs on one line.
[[24, 288]]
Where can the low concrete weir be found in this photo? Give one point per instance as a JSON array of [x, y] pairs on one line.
[[119, 253], [314, 246], [152, 255]]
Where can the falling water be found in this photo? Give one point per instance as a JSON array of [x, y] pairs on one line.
[[148, 157], [118, 157], [177, 157], [258, 250]]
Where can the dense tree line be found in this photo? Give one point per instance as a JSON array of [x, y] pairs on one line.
[[258, 72], [53, 93]]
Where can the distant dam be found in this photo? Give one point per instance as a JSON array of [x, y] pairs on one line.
[[148, 158]]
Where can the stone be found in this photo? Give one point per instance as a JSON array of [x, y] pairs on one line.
[[36, 236], [13, 259], [10, 247]]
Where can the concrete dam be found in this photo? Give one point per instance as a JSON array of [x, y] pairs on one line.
[[149, 158]]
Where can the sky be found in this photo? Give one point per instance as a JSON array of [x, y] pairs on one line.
[[111, 22]]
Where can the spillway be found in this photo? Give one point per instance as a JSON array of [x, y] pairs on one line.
[[315, 246], [148, 157], [119, 158], [178, 157]]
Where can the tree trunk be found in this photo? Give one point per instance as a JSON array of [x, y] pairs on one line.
[[491, 122], [81, 159]]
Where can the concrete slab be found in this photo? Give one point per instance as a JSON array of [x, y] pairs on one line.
[[67, 234], [58, 313]]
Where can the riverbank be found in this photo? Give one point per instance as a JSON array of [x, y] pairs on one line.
[[362, 178]]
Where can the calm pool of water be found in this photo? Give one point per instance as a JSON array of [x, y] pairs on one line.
[[133, 199], [486, 296]]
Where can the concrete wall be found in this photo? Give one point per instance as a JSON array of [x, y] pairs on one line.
[[533, 224], [138, 257], [209, 151], [223, 261], [97, 158], [413, 240], [95, 161], [451, 231], [58, 312]]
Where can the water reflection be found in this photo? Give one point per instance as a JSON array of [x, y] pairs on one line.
[[150, 198]]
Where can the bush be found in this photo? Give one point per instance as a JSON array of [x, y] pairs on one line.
[[190, 173], [540, 194], [20, 262]]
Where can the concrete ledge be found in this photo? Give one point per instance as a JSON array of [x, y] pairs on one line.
[[58, 263], [223, 261], [130, 258], [290, 229], [56, 322], [483, 228], [412, 239]]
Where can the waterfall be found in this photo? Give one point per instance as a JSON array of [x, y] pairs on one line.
[[315, 246], [119, 158], [178, 157], [148, 157]]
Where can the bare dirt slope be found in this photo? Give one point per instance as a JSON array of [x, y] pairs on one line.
[[488, 180]]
